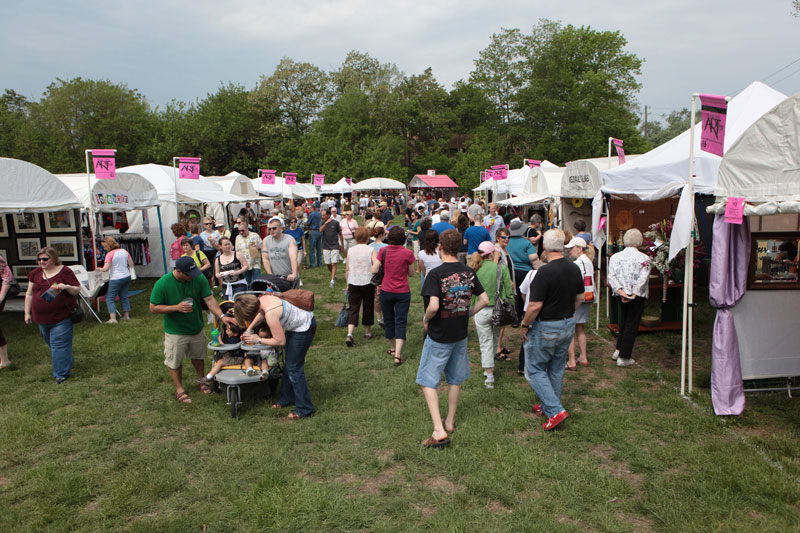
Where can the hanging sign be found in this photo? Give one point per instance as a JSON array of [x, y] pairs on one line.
[[734, 211], [290, 178], [714, 110], [105, 166], [533, 163], [500, 172], [349, 181], [319, 179], [483, 176], [267, 176], [620, 150], [189, 168]]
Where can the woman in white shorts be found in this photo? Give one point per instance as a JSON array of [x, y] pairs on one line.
[[576, 248]]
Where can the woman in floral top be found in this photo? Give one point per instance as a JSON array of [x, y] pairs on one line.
[[628, 276]]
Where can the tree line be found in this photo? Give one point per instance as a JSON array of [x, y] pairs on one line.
[[555, 93]]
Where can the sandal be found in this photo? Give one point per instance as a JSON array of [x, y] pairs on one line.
[[350, 341], [203, 386], [4, 366], [183, 397], [500, 356], [571, 368], [390, 352], [397, 361], [293, 416], [368, 336], [276, 405]]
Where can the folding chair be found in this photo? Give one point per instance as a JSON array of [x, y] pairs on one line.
[[88, 293]]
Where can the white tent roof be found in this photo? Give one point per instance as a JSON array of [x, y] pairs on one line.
[[378, 184], [279, 189], [340, 187], [30, 188], [126, 193], [163, 179], [763, 165], [533, 186], [237, 184], [663, 171]]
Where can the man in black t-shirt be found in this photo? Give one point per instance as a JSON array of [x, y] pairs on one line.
[[556, 292], [450, 288], [332, 243]]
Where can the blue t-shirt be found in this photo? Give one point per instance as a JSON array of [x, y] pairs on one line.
[[519, 248], [441, 227], [475, 235], [585, 236], [314, 220], [297, 233]]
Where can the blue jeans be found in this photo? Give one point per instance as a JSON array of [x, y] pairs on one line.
[[250, 275], [118, 287], [545, 357], [59, 338], [394, 306], [314, 248], [294, 389]]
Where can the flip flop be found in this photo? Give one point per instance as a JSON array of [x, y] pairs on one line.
[[430, 442], [294, 416], [572, 368], [583, 363]]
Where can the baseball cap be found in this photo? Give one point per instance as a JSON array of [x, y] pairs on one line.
[[188, 267], [219, 224], [486, 248], [278, 219], [576, 241]]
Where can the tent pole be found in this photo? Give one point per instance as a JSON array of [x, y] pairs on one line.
[[161, 232], [608, 258], [688, 274], [175, 183], [690, 262], [610, 140], [92, 225]]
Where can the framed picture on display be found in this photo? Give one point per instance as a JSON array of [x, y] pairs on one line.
[[28, 247], [65, 247], [21, 271], [26, 223], [59, 221], [3, 226], [4, 255]]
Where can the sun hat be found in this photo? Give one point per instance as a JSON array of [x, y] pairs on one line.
[[516, 228]]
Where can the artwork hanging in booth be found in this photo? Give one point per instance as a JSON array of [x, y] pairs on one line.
[[26, 223], [59, 222], [28, 248], [65, 247]]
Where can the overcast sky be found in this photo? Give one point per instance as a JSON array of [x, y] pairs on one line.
[[180, 49]]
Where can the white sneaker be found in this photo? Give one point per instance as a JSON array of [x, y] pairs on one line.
[[625, 362], [489, 383], [332, 283], [250, 371], [300, 284], [616, 354]]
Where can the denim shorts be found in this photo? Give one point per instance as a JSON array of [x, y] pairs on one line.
[[448, 358]]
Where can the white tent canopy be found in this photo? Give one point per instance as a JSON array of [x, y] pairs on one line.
[[28, 188], [163, 178], [763, 165], [340, 187], [534, 187], [280, 190], [238, 185], [379, 184], [663, 171], [126, 193]]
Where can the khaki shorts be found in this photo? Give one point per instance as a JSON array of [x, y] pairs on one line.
[[178, 347], [331, 257]]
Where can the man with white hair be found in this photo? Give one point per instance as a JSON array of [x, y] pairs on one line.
[[548, 326], [493, 221], [279, 252], [444, 223]]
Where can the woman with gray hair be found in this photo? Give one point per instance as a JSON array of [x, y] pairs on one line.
[[628, 276]]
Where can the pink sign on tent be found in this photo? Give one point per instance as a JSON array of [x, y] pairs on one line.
[[267, 177], [620, 150], [713, 114], [500, 172], [349, 181], [189, 168], [105, 166], [319, 179], [602, 223], [734, 211], [290, 178], [533, 163], [483, 176]]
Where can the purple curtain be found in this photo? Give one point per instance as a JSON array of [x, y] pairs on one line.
[[729, 263]]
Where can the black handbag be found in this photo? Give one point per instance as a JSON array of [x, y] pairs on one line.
[[377, 279], [77, 315], [504, 313], [13, 289]]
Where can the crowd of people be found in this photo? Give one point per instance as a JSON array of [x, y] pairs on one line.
[[470, 258]]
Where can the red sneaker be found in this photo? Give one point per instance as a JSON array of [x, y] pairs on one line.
[[553, 421], [537, 409]]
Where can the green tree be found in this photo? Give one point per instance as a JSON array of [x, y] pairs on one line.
[[499, 71], [14, 111], [677, 122]]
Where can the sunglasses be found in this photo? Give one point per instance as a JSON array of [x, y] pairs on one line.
[[505, 238], [42, 259], [207, 223], [273, 229]]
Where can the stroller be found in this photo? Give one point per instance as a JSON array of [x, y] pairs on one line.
[[233, 380]]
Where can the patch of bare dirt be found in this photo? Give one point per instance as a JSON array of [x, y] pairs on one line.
[[616, 468], [637, 522], [497, 507], [442, 484]]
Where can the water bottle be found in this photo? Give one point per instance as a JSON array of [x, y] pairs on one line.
[[215, 337]]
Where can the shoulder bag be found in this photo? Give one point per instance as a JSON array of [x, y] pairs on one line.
[[377, 279], [504, 313], [588, 293]]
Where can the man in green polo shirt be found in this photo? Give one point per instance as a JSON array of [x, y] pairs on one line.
[[177, 296]]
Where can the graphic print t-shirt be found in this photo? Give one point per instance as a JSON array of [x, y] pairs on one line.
[[454, 284]]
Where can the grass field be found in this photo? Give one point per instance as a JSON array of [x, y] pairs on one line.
[[111, 449]]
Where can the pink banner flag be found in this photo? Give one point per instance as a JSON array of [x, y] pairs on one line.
[[267, 177], [533, 163], [105, 166], [713, 115], [349, 181], [189, 168], [734, 211], [500, 172], [620, 150], [483, 176], [319, 179], [290, 178]]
